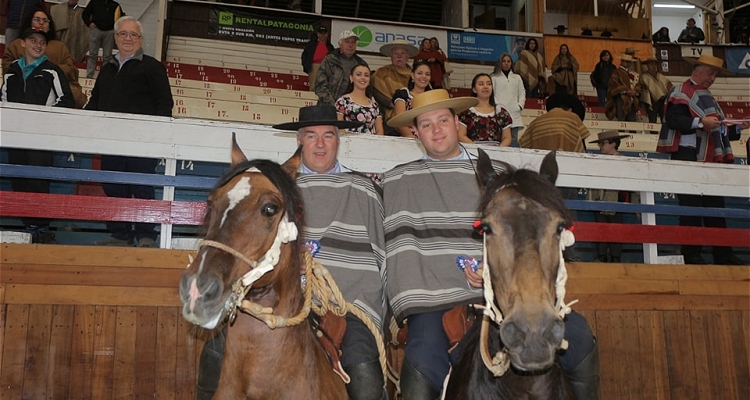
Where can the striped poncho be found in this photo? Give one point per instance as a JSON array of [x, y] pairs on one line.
[[344, 213], [430, 208]]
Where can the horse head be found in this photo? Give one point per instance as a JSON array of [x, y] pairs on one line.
[[249, 250], [523, 217]]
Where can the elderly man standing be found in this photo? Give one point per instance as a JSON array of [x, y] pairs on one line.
[[654, 89], [694, 130], [333, 75], [427, 226], [131, 82], [394, 76], [623, 92], [344, 224]]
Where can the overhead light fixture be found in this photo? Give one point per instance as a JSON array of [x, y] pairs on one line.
[[687, 6]]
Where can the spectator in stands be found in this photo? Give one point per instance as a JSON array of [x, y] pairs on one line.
[[693, 130], [358, 104], [344, 215], [565, 72], [609, 143], [600, 77], [100, 17], [315, 51], [70, 28], [435, 59], [691, 33], [446, 65], [560, 29], [560, 129], [635, 64], [487, 121], [654, 89], [426, 282], [623, 92], [509, 93], [15, 10], [131, 82], [518, 46], [419, 83], [333, 75], [32, 79], [531, 68], [391, 77], [661, 36], [56, 52]]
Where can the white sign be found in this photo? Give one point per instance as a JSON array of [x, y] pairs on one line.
[[696, 51], [372, 36]]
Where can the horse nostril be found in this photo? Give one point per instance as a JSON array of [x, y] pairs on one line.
[[512, 334]]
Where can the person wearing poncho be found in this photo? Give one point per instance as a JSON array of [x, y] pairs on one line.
[[344, 231], [394, 76], [430, 205], [694, 130]]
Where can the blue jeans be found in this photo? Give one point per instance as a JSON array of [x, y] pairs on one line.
[[601, 94]]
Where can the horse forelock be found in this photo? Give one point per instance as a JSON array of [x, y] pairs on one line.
[[275, 174]]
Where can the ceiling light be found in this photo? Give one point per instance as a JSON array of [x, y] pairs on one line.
[[673, 6]]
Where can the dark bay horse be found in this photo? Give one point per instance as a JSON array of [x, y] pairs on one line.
[[524, 220], [250, 257]]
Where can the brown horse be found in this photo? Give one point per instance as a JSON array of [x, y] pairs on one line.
[[250, 256], [523, 218]]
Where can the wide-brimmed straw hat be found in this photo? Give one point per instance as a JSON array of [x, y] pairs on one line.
[[567, 100], [651, 60], [709, 61], [608, 135], [631, 51], [626, 57], [319, 115], [430, 101], [411, 50]]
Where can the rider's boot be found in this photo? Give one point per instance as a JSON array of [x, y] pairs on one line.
[[584, 378], [366, 381], [415, 386], [209, 367]]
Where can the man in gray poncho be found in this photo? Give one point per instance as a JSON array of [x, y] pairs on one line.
[[344, 230], [430, 205]]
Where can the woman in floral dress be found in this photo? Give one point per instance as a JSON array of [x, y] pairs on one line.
[[359, 105], [487, 121]]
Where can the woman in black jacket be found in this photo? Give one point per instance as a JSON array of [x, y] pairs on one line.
[[600, 76]]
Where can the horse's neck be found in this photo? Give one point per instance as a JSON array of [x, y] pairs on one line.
[[255, 353]]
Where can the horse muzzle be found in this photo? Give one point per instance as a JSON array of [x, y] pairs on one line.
[[532, 346], [203, 302]]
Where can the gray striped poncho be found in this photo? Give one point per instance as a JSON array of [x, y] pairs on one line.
[[430, 209], [344, 212]]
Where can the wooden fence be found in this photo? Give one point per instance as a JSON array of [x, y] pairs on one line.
[[101, 323]]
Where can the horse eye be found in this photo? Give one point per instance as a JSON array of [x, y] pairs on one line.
[[269, 210], [560, 228]]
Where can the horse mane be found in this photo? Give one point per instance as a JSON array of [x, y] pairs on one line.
[[279, 178], [528, 184]]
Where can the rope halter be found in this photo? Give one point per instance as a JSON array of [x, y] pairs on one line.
[[500, 362], [285, 233]]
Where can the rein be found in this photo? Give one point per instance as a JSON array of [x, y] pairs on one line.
[[319, 281], [500, 362]]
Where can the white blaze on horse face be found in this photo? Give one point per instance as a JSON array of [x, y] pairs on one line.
[[236, 195]]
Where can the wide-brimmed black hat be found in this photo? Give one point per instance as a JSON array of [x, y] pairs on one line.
[[566, 100], [317, 116]]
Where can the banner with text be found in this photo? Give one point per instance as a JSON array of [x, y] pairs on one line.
[[738, 60], [256, 28], [372, 36], [477, 46]]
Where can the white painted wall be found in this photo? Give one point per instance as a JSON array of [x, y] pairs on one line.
[[675, 19]]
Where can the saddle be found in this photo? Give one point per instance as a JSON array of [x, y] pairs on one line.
[[456, 322], [330, 329]]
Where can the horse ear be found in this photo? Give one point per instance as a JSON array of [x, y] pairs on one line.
[[238, 157], [549, 170], [291, 166], [484, 171]]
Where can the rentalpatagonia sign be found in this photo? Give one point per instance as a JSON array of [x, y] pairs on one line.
[[255, 28]]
